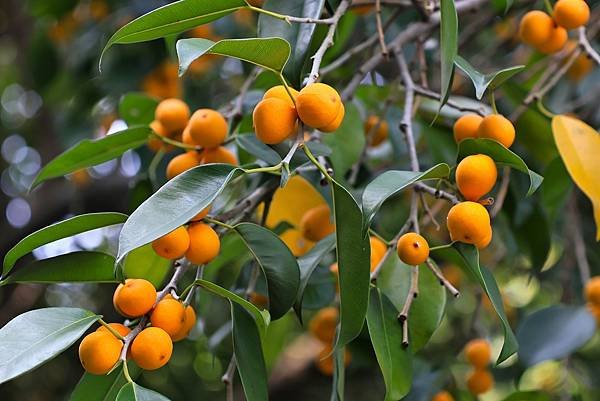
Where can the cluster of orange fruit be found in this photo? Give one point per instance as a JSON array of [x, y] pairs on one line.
[[493, 126], [152, 347], [479, 354], [322, 327], [592, 296], [275, 117], [548, 34]]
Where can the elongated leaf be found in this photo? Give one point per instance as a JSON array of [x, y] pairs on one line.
[[75, 267], [467, 257], [262, 317], [137, 108], [353, 256], [102, 388], [448, 46], [386, 336], [307, 264], [390, 183], [501, 155], [528, 396], [135, 392], [56, 231], [277, 263], [554, 333], [174, 204], [579, 147], [269, 53], [256, 148], [172, 19], [482, 82], [339, 375], [89, 153], [299, 36], [39, 335], [249, 355]]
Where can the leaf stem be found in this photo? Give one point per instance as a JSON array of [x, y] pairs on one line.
[[287, 87], [543, 109], [268, 169], [177, 143], [314, 161], [219, 223], [111, 330], [493, 102], [126, 372]]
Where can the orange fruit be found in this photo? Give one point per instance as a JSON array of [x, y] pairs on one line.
[[99, 352], [218, 155], [208, 128], [378, 250], [466, 127], [480, 381], [118, 327], [204, 244], [172, 245], [535, 28], [152, 348], [555, 42], [324, 361], [443, 396], [380, 134], [497, 127], [479, 353], [169, 315], [274, 120], [134, 298], [203, 213], [318, 106], [188, 324], [316, 223], [469, 222], [592, 290], [173, 114], [335, 124], [580, 68], [324, 323], [571, 14], [182, 163], [476, 176], [155, 144], [412, 249], [279, 92]]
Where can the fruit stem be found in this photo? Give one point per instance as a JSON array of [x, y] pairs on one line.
[[269, 169], [126, 372], [314, 161], [493, 102], [270, 13], [543, 109], [219, 223], [153, 167], [177, 143], [376, 234], [287, 88], [112, 331]]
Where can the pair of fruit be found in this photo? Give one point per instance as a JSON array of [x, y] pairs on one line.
[[592, 296], [323, 327], [493, 126], [476, 175], [548, 34], [199, 243], [469, 222], [479, 355], [376, 130], [275, 117]]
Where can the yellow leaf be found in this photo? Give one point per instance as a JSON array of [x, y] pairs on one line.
[[579, 147]]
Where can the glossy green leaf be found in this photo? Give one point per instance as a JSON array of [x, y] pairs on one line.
[[269, 53], [75, 267], [467, 257], [299, 36], [144, 263], [172, 19], [501, 155], [102, 388], [56, 231], [89, 153], [390, 183], [353, 256], [556, 188], [482, 82], [307, 264], [448, 46], [554, 333], [348, 141], [533, 235], [339, 375], [174, 204], [262, 318], [277, 263], [137, 108], [528, 396], [37, 336], [386, 335], [249, 354], [258, 149], [135, 392]]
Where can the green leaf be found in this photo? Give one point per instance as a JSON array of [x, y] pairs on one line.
[[89, 153], [256, 148], [269, 53], [554, 333], [137, 108], [501, 155], [100, 387], [394, 360], [262, 317], [172, 19], [482, 82], [556, 188], [144, 263], [348, 141], [299, 36], [56, 231], [37, 336], [249, 354], [75, 267], [467, 257], [353, 256], [339, 375], [533, 234], [528, 396], [307, 264], [135, 392], [390, 183], [174, 204], [448, 47], [277, 263]]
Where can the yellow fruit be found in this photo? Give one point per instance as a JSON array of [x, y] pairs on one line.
[[476, 176], [380, 134], [592, 290], [274, 120], [412, 249], [169, 315], [218, 155], [172, 245], [316, 223], [555, 42], [135, 298], [152, 348], [204, 244], [173, 114], [324, 361], [318, 105], [323, 325], [480, 381], [497, 127], [188, 324], [118, 327], [182, 163], [535, 28], [203, 213], [279, 92], [478, 353], [208, 128], [466, 127], [571, 14], [378, 250], [443, 396], [468, 222], [99, 352]]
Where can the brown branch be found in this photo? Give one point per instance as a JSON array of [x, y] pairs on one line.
[[380, 32], [437, 193], [443, 281]]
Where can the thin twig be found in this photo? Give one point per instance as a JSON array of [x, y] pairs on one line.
[[380, 32], [413, 292], [502, 192], [428, 211], [437, 193], [578, 242], [587, 47], [443, 280], [236, 113]]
